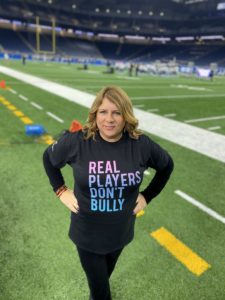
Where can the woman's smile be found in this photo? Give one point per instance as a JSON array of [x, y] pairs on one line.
[[110, 121]]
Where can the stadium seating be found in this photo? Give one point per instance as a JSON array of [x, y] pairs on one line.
[[25, 42]]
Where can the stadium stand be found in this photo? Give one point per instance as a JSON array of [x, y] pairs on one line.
[[140, 34]]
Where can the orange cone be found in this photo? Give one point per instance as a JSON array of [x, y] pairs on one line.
[[2, 84], [75, 126]]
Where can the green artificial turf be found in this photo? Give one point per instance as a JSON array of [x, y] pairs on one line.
[[38, 261]]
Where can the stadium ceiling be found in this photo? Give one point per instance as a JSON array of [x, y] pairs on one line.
[[146, 17]]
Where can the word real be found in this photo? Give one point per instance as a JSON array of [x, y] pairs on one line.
[[107, 184]]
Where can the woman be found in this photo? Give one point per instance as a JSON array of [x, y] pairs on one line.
[[108, 157]]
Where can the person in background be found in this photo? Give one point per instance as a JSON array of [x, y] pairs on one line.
[[131, 69], [108, 157], [24, 59], [211, 74], [136, 69]]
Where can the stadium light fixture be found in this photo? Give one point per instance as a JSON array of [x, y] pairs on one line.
[[150, 13], [16, 23], [58, 29], [107, 10], [108, 35], [114, 26], [78, 32], [74, 6], [135, 37], [97, 9], [5, 21], [118, 11], [161, 14], [140, 12], [161, 39], [220, 6], [89, 33], [194, 1], [129, 12], [212, 37], [184, 38], [49, 1]]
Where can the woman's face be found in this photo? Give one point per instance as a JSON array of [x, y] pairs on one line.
[[110, 121]]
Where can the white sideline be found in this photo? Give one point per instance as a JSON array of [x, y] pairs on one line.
[[201, 206], [197, 139]]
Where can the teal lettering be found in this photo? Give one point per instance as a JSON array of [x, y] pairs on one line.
[[94, 204], [121, 203]]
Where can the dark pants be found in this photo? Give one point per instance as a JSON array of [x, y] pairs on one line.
[[98, 268]]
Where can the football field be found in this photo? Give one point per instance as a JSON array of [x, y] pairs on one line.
[[178, 250]]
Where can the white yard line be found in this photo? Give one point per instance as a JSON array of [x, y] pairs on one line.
[[170, 115], [197, 139], [179, 97], [128, 78], [201, 206], [198, 89], [152, 109], [214, 128], [23, 97], [92, 72], [36, 105], [139, 105], [13, 91], [205, 119], [194, 88], [54, 117]]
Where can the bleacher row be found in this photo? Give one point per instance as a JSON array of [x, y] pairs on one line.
[[25, 42]]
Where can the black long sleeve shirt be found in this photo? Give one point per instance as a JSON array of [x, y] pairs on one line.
[[107, 180]]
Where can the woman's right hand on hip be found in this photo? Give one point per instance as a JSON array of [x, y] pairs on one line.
[[70, 201]]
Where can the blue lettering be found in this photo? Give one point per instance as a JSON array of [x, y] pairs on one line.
[[101, 205], [94, 204], [121, 203]]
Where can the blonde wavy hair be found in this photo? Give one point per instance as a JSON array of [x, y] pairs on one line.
[[119, 97]]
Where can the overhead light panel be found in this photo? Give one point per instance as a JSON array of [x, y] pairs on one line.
[[194, 1], [220, 6], [212, 37], [161, 39], [135, 37], [108, 35], [184, 38]]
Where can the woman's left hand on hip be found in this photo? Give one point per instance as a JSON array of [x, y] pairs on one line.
[[140, 204]]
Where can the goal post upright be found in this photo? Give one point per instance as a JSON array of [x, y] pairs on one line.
[[53, 37]]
